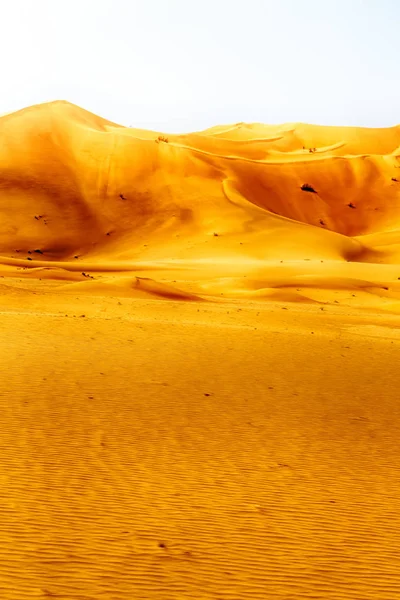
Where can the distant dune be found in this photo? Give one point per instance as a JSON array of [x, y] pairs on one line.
[[229, 200]]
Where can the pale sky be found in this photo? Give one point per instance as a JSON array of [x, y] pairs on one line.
[[184, 65]]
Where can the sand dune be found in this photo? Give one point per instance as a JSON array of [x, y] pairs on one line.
[[199, 347], [75, 185]]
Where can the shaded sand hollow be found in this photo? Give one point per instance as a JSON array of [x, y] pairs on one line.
[[199, 349]]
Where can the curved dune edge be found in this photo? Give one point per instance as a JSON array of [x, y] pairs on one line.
[[131, 287]]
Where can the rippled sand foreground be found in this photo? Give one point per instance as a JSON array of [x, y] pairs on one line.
[[160, 449]]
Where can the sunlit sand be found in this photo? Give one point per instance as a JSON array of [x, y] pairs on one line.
[[199, 360]]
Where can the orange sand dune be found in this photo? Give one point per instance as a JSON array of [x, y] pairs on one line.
[[73, 184], [199, 342]]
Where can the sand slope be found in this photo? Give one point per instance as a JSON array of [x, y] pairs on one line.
[[75, 188]]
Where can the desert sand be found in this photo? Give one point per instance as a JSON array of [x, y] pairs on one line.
[[200, 340]]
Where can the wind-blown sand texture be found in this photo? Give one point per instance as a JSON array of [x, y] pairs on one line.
[[199, 361]]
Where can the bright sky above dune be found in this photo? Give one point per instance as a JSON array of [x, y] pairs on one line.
[[180, 65]]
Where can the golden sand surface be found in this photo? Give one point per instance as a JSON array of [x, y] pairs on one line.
[[199, 361]]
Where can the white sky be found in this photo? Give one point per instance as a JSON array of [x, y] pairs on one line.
[[182, 65]]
